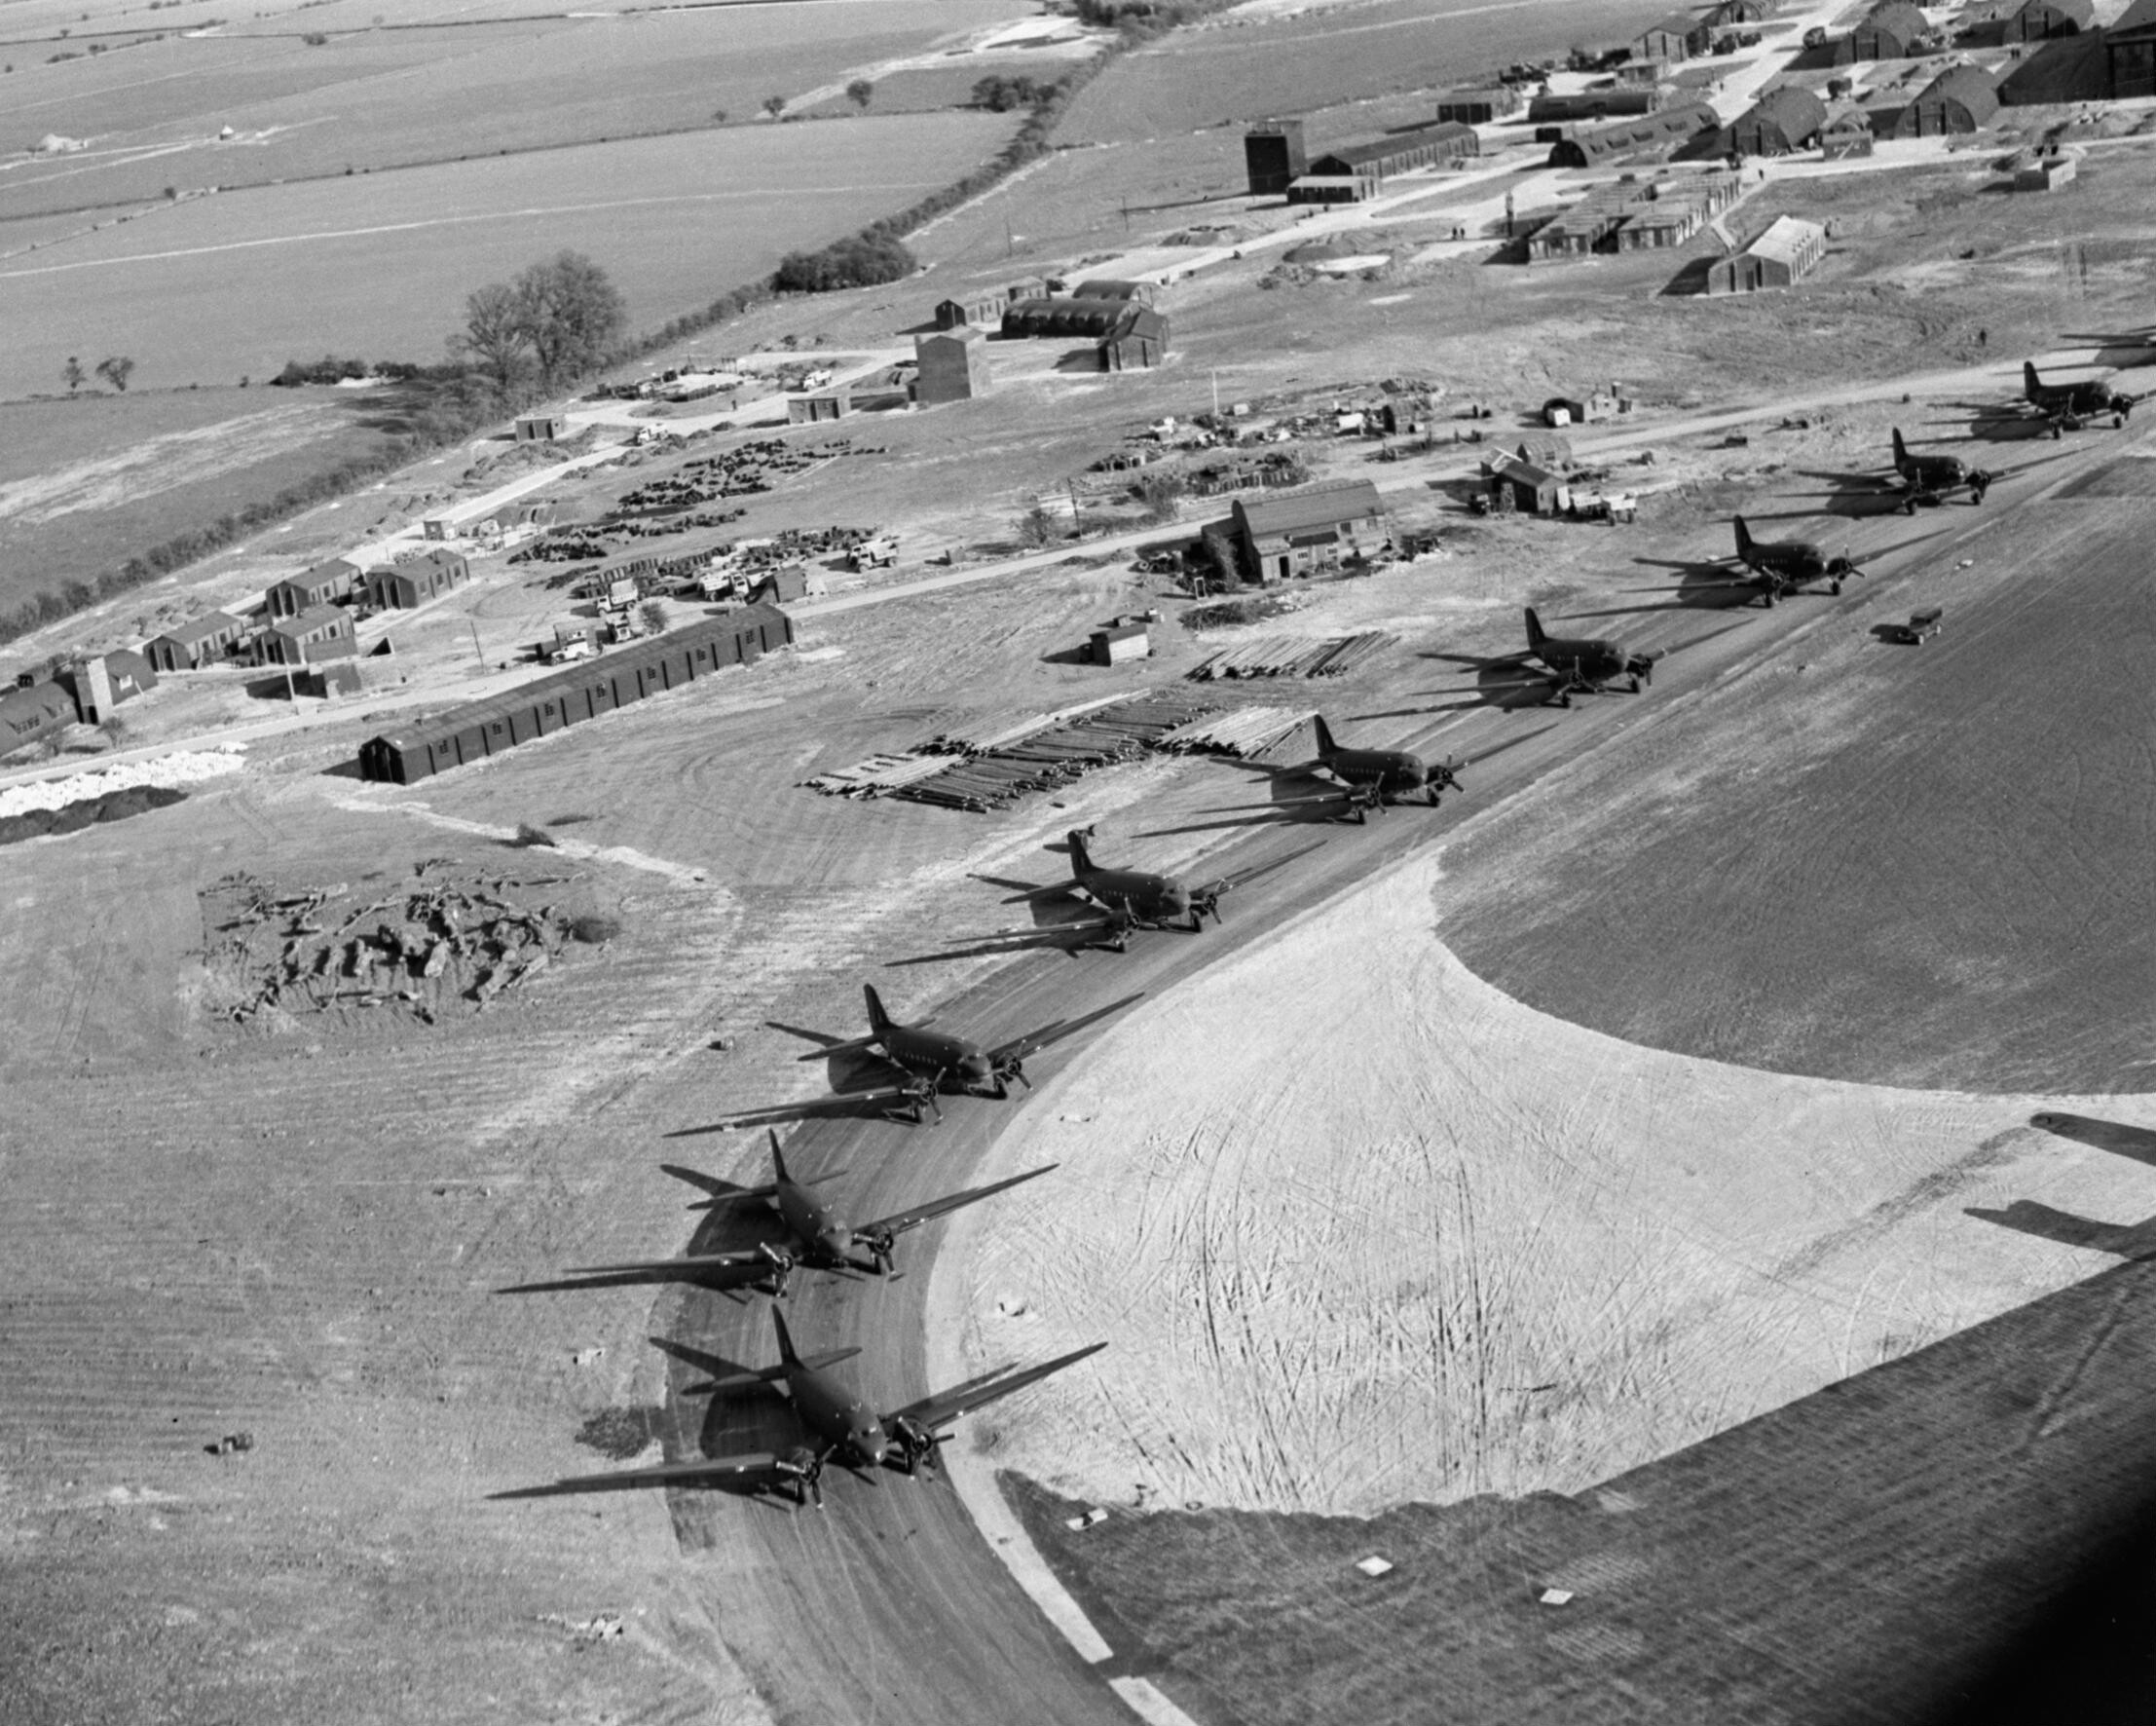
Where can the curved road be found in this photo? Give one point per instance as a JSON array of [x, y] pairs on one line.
[[890, 1606]]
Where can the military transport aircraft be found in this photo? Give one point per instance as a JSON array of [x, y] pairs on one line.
[[1137, 898], [835, 1422], [818, 1235], [1370, 780], [1571, 664], [1932, 479], [935, 1061], [2068, 407], [1782, 567]]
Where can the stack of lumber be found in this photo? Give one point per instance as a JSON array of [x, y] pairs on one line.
[[996, 730], [1244, 733], [878, 774], [1117, 729], [1293, 655]]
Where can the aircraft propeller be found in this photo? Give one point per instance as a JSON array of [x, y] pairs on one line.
[[806, 1466], [1012, 1066]]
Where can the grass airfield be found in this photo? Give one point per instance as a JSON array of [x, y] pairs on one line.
[[1691, 1171]]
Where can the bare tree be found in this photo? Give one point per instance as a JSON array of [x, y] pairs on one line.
[[73, 373], [861, 93], [495, 335], [116, 371]]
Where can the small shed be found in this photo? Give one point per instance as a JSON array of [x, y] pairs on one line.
[[823, 404], [322, 633], [539, 427], [1961, 99], [1534, 489], [1788, 251], [1678, 37], [323, 584], [198, 642], [2039, 21], [1119, 643], [2047, 173], [1887, 32], [1785, 119], [954, 366], [1139, 342], [401, 587], [1304, 533]]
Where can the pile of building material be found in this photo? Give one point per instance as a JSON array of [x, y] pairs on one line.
[[1244, 733], [1293, 655], [1045, 759], [879, 774], [423, 947]]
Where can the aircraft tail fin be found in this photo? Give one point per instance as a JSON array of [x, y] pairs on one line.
[[788, 1358], [1744, 539], [1325, 744], [779, 1176], [1535, 633], [1081, 857], [1900, 449], [878, 1020], [2031, 382]]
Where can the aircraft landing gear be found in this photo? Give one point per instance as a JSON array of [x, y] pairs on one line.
[[1635, 685], [1835, 587], [1766, 598]]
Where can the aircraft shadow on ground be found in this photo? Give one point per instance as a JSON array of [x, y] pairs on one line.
[[2115, 1137], [737, 1223], [861, 1085]]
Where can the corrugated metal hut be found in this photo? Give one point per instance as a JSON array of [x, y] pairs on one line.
[[1961, 99], [198, 642], [322, 632], [1591, 105], [1102, 288], [1367, 166], [1780, 257], [2039, 21], [2129, 53], [539, 427], [1058, 317], [1658, 133], [954, 366], [323, 584], [1678, 37], [1304, 532], [1785, 119], [1729, 13], [400, 586], [1887, 32], [1138, 343], [436, 743]]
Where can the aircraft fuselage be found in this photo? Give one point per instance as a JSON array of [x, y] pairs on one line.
[[1391, 771], [813, 1225], [1589, 660], [836, 1417], [1139, 892], [936, 1055]]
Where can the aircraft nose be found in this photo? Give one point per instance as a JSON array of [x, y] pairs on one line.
[[835, 1242], [872, 1446], [975, 1068]]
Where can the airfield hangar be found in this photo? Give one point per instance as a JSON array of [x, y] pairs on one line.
[[1662, 133], [2040, 21], [1961, 99], [1274, 157], [1782, 256], [952, 365], [436, 742], [1887, 32], [1783, 120], [1310, 532]]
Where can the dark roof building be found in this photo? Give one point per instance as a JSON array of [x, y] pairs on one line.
[[1732, 12], [1961, 99], [196, 643], [436, 743], [1306, 532], [1102, 288], [2129, 53], [29, 714], [1785, 119], [323, 584], [1677, 37], [539, 427], [1138, 342], [1534, 491], [1658, 133], [1359, 170], [1059, 316], [1887, 32], [320, 633], [400, 586], [1273, 156], [1481, 106], [954, 366], [2039, 21], [1591, 105]]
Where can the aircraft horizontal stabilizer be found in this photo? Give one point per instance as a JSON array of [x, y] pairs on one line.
[[946, 1407], [1017, 1048]]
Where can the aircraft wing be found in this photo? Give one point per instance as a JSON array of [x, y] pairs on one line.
[[943, 1206], [664, 1474], [852, 1046], [686, 1266], [1244, 876], [940, 1409], [1017, 1048]]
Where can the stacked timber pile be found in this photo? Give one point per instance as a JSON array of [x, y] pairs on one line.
[[420, 947], [879, 774], [1048, 757], [1293, 655], [1244, 733]]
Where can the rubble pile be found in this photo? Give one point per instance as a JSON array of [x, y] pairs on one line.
[[424, 947]]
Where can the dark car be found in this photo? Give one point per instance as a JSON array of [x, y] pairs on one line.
[[1919, 629]]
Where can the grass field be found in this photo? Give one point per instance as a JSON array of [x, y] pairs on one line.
[[1234, 70], [375, 97], [217, 287]]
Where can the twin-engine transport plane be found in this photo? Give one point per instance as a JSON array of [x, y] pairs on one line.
[[2068, 407], [935, 1061], [1372, 778], [1585, 664], [1932, 479], [817, 1234], [836, 1424], [1139, 898], [1781, 567]]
